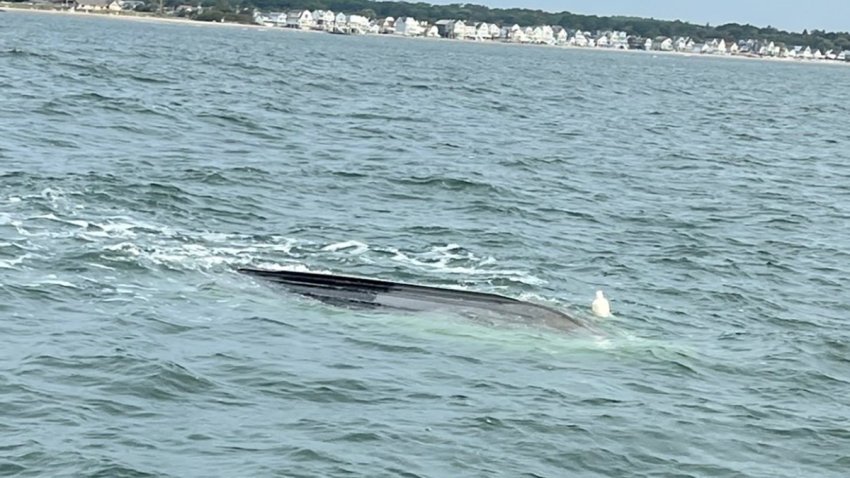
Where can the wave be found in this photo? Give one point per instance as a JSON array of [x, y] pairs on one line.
[[355, 247]]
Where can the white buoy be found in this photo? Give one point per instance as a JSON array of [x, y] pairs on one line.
[[600, 305]]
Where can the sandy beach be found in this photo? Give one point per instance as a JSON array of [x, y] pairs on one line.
[[137, 17]]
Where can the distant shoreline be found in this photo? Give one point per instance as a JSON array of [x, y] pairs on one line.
[[12, 7]]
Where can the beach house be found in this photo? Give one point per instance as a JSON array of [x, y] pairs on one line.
[[407, 26], [91, 5], [495, 31], [443, 27], [386, 26], [323, 20], [482, 31], [559, 34], [455, 29], [469, 31], [579, 39], [357, 24], [301, 19], [430, 31]]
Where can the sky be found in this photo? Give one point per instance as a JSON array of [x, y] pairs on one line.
[[830, 15]]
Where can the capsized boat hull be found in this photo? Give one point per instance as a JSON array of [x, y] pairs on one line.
[[361, 292]]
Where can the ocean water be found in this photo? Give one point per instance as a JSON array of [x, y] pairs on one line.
[[141, 164]]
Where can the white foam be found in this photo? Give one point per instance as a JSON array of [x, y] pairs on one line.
[[13, 262], [51, 194], [49, 216], [286, 247], [19, 226], [447, 248], [219, 236], [14, 199], [285, 267], [60, 283], [127, 247], [441, 265], [78, 222], [357, 246], [489, 260]]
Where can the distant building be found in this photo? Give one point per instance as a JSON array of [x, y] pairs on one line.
[[455, 29], [431, 31], [443, 27], [407, 26], [92, 5], [323, 20], [301, 19]]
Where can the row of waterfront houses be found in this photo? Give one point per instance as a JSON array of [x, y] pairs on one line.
[[342, 23], [100, 5], [328, 21]]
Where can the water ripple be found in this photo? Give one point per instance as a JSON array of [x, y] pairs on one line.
[[132, 184]]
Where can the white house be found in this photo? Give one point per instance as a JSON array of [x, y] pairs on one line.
[[357, 24], [547, 35], [603, 41], [647, 45], [482, 31], [276, 19], [510, 33], [536, 35], [620, 40], [407, 26], [579, 39], [469, 31], [302, 19], [807, 54], [666, 44], [494, 31], [559, 34], [386, 25], [130, 4], [431, 31], [92, 5], [323, 20], [457, 29]]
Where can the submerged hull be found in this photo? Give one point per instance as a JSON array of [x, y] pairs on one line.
[[358, 292]]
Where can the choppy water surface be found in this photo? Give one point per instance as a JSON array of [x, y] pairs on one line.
[[140, 164]]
